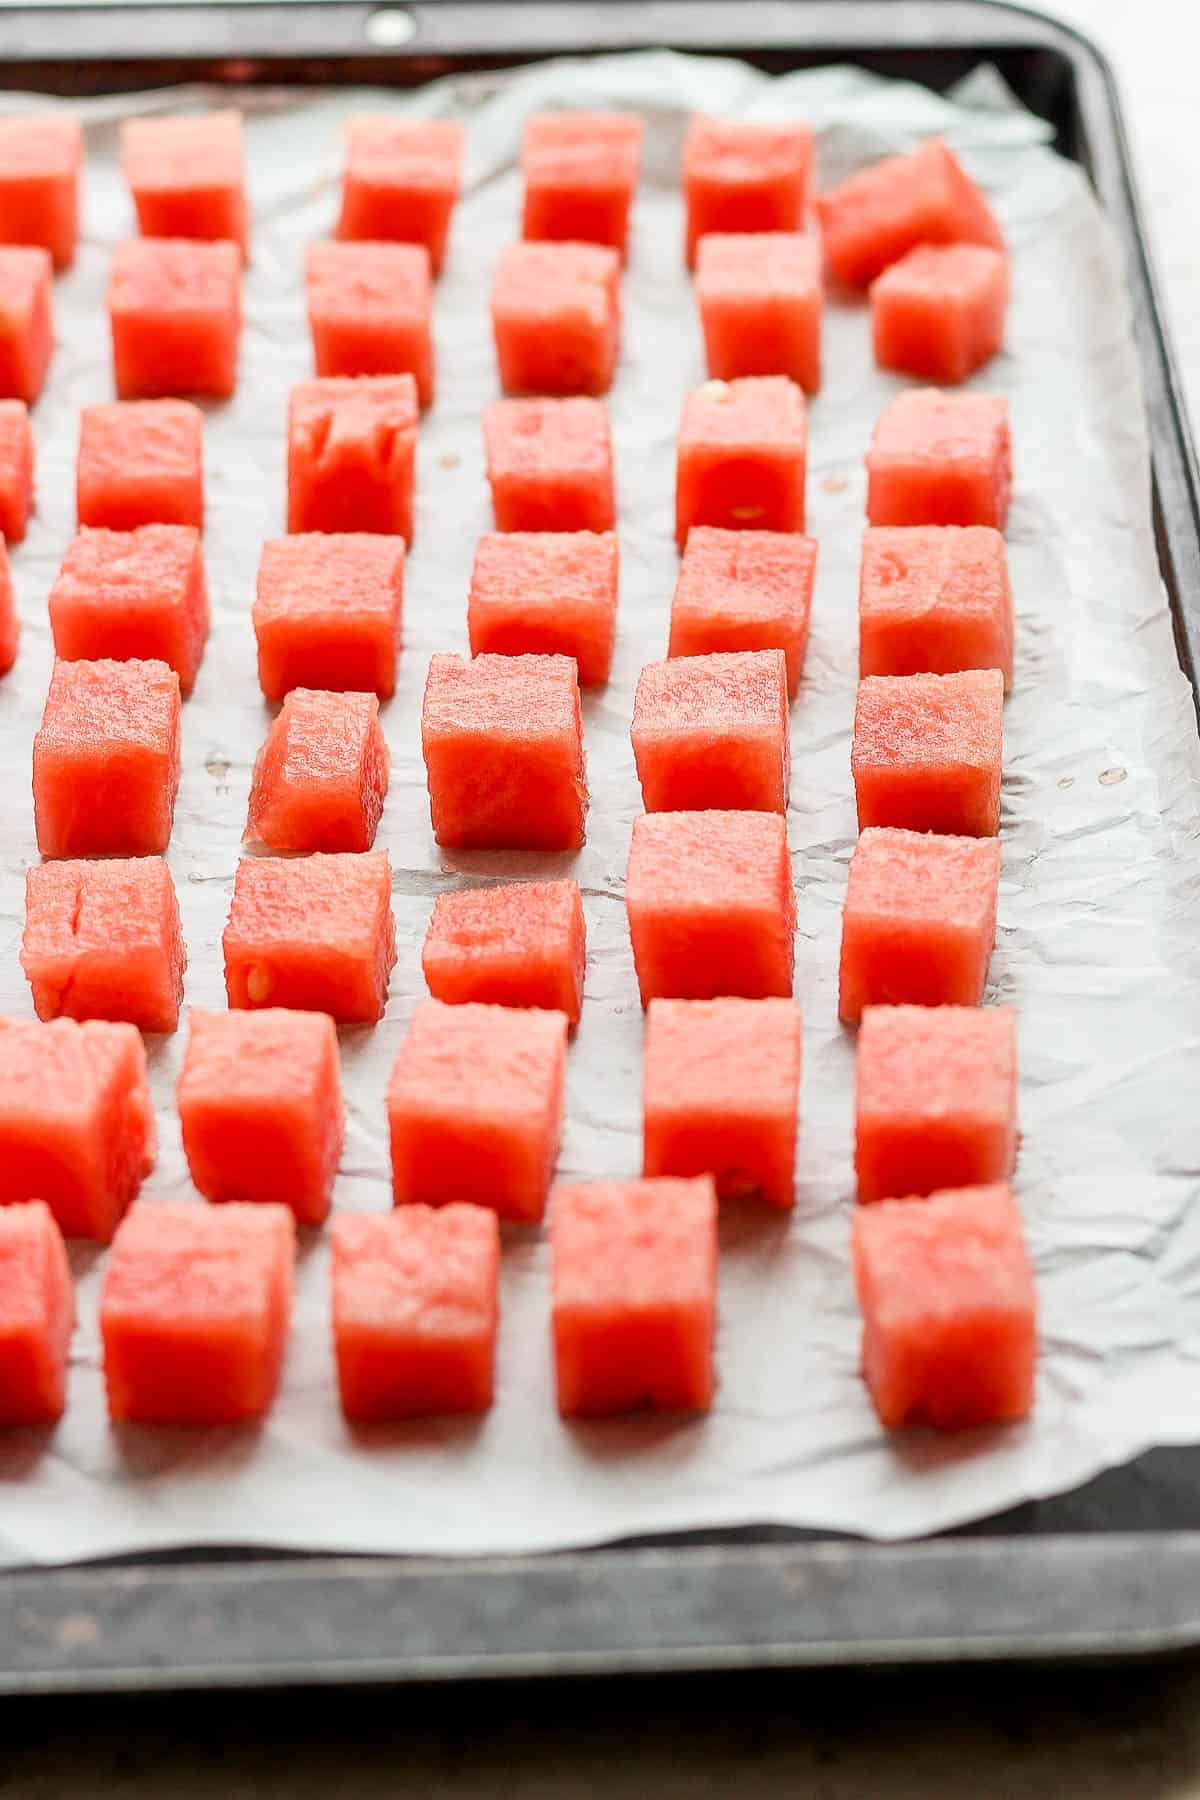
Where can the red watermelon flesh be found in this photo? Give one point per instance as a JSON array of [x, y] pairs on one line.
[[37, 1316], [321, 777], [740, 177], [133, 596], [103, 941], [546, 593], [522, 944], [327, 613], [16, 470], [550, 464], [26, 321], [742, 455], [176, 314], [556, 317], [141, 463], [352, 444], [934, 599], [713, 732], [370, 311], [927, 749], [940, 459], [401, 181], [938, 313], [580, 170], [924, 197], [40, 159], [10, 626], [760, 298], [744, 590], [188, 176]]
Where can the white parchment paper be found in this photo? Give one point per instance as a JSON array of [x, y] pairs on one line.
[[1097, 943]]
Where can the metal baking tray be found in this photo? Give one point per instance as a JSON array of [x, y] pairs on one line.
[[1111, 1570]]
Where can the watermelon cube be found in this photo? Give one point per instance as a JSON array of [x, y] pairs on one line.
[[175, 308], [188, 176], [103, 941], [744, 590], [743, 448], [260, 1104], [327, 613], [370, 311], [416, 1308], [106, 759], [940, 459], [760, 297], [401, 181], [720, 1093], [76, 1120], [712, 732], [351, 460], [475, 1107], [926, 751], [133, 595], [938, 313], [934, 599], [141, 463], [935, 1099], [37, 1316], [26, 321], [546, 592], [503, 744], [321, 777], [314, 933], [949, 1309], [712, 909], [10, 625], [919, 920], [879, 214], [522, 944], [194, 1312], [550, 464], [16, 470], [556, 317], [581, 171], [634, 1295], [40, 159], [740, 177]]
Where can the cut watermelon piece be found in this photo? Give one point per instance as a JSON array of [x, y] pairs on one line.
[[936, 1098], [188, 176], [518, 945], [503, 744], [416, 1308], [327, 613], [370, 311], [760, 298], [106, 759], [938, 313], [712, 909], [919, 921], [26, 322], [720, 1093], [40, 159], [401, 181], [16, 470], [141, 462], [76, 1120], [934, 599], [352, 448], [546, 593], [581, 172], [926, 752], [475, 1107], [260, 1104], [133, 596], [635, 1295], [550, 464], [925, 197], [556, 317], [37, 1316], [10, 625], [743, 449], [175, 307], [315, 934], [712, 732], [940, 459], [741, 177], [321, 777], [103, 941], [744, 590], [194, 1312], [949, 1309]]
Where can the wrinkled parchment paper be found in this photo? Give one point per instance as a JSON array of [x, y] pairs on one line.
[[1097, 943]]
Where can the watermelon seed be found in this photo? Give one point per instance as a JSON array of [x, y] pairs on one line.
[[258, 985], [1066, 781], [1110, 777]]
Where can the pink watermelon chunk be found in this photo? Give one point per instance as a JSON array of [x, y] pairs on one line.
[[711, 905], [416, 1308], [720, 1093], [926, 751], [321, 777], [106, 759], [188, 176], [938, 313], [401, 181], [260, 1104], [936, 1099], [949, 1309], [10, 625], [936, 599], [175, 308], [103, 941], [546, 593], [370, 311], [713, 732], [16, 470], [503, 743], [743, 448], [327, 613], [760, 298], [76, 1120], [314, 933], [352, 447], [475, 1107], [133, 596], [522, 944], [919, 921], [925, 197], [635, 1295], [550, 464], [26, 322], [744, 177], [141, 463], [194, 1312], [556, 317], [37, 1316], [940, 459], [744, 590], [581, 172], [40, 159]]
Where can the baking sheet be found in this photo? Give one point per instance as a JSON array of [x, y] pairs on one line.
[[1100, 884]]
